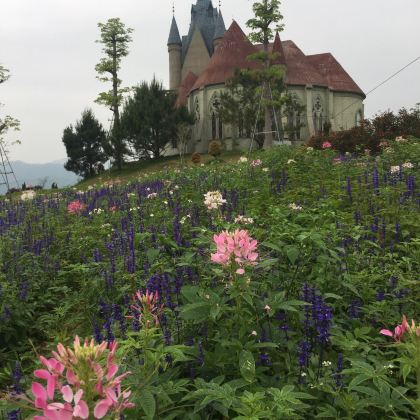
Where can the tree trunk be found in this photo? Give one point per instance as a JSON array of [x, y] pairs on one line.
[[268, 135], [118, 152]]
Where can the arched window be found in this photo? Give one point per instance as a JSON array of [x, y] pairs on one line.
[[359, 117], [240, 124], [213, 125], [196, 110], [216, 120]]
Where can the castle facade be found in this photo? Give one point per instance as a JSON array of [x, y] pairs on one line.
[[202, 61]]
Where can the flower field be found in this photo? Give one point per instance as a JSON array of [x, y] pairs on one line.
[[269, 288]]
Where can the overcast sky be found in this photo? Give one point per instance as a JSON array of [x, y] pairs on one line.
[[49, 47]]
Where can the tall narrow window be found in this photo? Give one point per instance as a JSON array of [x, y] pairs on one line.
[[220, 131], [213, 125]]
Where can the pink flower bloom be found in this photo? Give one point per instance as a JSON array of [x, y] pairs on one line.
[[75, 207], [146, 308], [83, 371], [326, 145], [256, 162], [237, 247], [399, 330]]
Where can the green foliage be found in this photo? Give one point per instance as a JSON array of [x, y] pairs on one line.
[[84, 145], [7, 122], [228, 345], [150, 119], [115, 38]]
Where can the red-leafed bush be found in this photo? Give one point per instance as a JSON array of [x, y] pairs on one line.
[[352, 140]]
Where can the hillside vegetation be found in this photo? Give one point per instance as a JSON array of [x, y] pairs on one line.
[[242, 289]]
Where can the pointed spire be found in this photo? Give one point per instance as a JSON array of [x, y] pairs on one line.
[[174, 37], [278, 50], [220, 29]]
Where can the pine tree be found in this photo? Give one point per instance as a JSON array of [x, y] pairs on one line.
[[84, 145]]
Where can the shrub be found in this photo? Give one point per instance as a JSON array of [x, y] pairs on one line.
[[215, 148], [352, 140], [196, 158]]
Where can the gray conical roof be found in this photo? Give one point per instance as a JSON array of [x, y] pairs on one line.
[[174, 37], [220, 30]]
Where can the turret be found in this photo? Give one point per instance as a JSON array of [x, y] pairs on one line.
[[219, 31], [175, 56]]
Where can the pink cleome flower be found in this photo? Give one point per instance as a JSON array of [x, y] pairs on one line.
[[326, 145], [75, 207], [235, 248], [90, 382], [400, 330]]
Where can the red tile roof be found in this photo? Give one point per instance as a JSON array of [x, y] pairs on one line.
[[184, 89], [332, 71], [231, 53], [234, 48]]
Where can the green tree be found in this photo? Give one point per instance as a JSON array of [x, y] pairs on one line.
[[84, 145], [150, 119], [115, 38], [7, 122], [263, 27]]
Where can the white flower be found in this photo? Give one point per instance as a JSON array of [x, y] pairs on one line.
[[243, 159], [265, 169], [395, 169], [291, 161], [309, 149], [244, 220], [28, 195], [408, 165], [303, 374], [254, 333], [152, 215], [400, 139], [295, 207], [213, 199], [152, 195], [326, 363], [202, 164], [182, 220], [267, 308], [90, 187]]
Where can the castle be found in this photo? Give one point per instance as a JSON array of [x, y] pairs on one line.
[[202, 61]]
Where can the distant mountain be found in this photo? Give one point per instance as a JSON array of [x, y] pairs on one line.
[[37, 173]]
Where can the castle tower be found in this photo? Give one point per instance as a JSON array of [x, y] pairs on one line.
[[220, 30], [175, 56]]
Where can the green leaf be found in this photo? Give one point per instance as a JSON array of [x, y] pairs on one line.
[[247, 365], [292, 253], [197, 312], [190, 293], [148, 403]]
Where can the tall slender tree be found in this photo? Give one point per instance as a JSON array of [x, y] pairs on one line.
[[115, 37], [264, 25]]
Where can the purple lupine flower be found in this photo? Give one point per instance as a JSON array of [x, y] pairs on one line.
[[200, 357], [357, 218], [354, 309], [24, 290], [322, 316], [97, 334], [348, 188], [375, 180], [17, 376], [97, 255], [397, 232], [13, 415], [264, 359], [118, 316], [380, 295]]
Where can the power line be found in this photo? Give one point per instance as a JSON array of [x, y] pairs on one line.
[[380, 84]]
